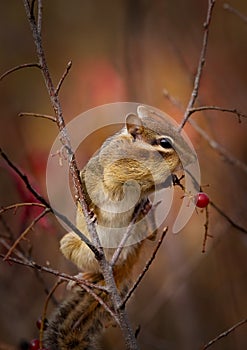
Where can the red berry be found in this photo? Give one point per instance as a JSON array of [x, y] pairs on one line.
[[201, 200], [34, 344]]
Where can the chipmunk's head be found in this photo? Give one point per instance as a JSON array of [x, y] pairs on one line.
[[141, 157], [160, 145]]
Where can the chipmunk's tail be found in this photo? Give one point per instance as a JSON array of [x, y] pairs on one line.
[[79, 320]]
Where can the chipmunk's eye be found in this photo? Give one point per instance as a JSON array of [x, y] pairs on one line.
[[166, 142]]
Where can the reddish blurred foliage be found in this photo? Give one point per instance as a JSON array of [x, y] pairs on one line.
[[100, 82]]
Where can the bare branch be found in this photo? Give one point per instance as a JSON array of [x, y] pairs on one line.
[[217, 108], [37, 115], [201, 63], [21, 66], [66, 72], [235, 12], [25, 232], [146, 268], [47, 205], [27, 262], [224, 334]]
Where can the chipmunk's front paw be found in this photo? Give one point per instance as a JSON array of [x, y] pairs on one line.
[[71, 284], [85, 277], [69, 244]]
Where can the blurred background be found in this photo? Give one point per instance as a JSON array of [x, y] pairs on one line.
[[131, 51]]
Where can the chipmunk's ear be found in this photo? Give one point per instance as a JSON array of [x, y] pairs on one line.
[[134, 124], [143, 112]]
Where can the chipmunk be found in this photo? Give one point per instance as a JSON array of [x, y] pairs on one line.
[[129, 166]]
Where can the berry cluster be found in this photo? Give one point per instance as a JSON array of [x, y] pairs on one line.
[[34, 344]]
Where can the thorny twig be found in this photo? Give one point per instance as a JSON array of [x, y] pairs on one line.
[[224, 334], [206, 235], [177, 182], [200, 65]]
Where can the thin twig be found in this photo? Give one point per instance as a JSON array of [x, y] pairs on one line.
[[126, 235], [19, 205], [21, 66], [235, 12], [25, 232], [206, 235], [142, 274], [24, 179], [201, 63], [18, 253], [217, 108], [212, 143], [69, 65], [27, 262], [63, 276], [224, 334], [238, 227], [37, 115]]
